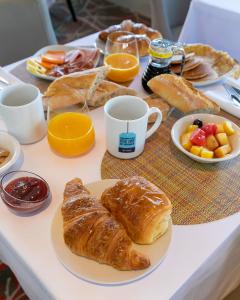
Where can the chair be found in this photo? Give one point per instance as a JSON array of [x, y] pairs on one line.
[[25, 27], [168, 16]]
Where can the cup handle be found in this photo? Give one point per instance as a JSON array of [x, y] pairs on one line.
[[156, 123]]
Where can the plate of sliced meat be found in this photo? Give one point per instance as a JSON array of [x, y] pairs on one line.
[[54, 61]]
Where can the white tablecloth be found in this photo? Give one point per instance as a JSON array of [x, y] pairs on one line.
[[203, 261], [214, 22]]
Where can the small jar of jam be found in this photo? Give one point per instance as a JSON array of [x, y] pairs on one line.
[[24, 191], [161, 52]]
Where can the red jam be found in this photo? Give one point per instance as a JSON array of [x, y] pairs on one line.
[[27, 189]]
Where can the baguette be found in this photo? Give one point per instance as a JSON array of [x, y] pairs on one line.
[[180, 93], [74, 88], [107, 90]]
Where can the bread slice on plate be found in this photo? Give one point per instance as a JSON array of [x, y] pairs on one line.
[[180, 93], [79, 87], [107, 90], [73, 88]]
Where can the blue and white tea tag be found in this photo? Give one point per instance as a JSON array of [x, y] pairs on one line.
[[127, 141]]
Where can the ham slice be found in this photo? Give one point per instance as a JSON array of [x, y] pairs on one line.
[[75, 61]]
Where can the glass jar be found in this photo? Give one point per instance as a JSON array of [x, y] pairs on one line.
[[161, 52]]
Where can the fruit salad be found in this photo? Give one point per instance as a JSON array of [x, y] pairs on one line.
[[208, 140]]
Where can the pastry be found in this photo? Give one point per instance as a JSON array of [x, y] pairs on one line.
[[142, 41], [198, 72], [91, 231], [155, 101], [142, 33], [107, 90], [180, 93], [189, 65], [83, 86], [141, 207], [153, 34], [130, 26], [211, 75], [103, 35], [221, 61]]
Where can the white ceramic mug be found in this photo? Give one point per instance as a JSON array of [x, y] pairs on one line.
[[21, 109], [126, 119]]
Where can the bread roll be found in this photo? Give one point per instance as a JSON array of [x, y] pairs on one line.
[[142, 42], [139, 28], [180, 93], [103, 35], [153, 34], [143, 34], [141, 207]]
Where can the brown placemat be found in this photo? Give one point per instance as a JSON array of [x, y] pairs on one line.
[[200, 193], [20, 72]]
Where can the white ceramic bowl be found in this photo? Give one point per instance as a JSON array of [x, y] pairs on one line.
[[9, 143], [180, 126]]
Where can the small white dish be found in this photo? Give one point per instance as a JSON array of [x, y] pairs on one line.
[[65, 48], [180, 126], [90, 270], [9, 143]]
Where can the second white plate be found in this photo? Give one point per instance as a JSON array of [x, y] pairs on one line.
[[65, 48], [94, 272]]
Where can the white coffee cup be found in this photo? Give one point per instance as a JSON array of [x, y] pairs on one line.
[[126, 120], [21, 109]]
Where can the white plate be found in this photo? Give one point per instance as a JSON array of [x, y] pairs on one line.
[[180, 126], [212, 81], [58, 48], [9, 143], [94, 272]]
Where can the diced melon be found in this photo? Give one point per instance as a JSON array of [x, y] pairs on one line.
[[205, 153], [196, 150], [222, 151], [191, 128], [220, 128], [222, 138], [211, 142], [185, 140], [227, 125]]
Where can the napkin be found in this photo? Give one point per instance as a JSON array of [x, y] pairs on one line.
[[225, 103], [9, 77], [232, 82]]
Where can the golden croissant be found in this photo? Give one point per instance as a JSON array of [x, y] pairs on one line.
[[91, 231], [141, 207]]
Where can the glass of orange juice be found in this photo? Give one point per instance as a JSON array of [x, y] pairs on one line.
[[121, 54], [70, 132]]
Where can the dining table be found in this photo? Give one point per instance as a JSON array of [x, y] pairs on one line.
[[213, 22], [202, 262]]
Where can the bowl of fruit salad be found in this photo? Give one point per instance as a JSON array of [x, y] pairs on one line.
[[207, 138]]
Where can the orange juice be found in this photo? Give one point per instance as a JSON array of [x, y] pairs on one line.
[[124, 66], [71, 133]]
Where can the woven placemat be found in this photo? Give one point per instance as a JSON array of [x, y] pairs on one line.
[[200, 193], [20, 72]]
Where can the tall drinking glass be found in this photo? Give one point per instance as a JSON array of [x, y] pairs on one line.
[[121, 54]]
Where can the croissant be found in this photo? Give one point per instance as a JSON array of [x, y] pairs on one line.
[[142, 208], [130, 26], [91, 231], [142, 42]]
